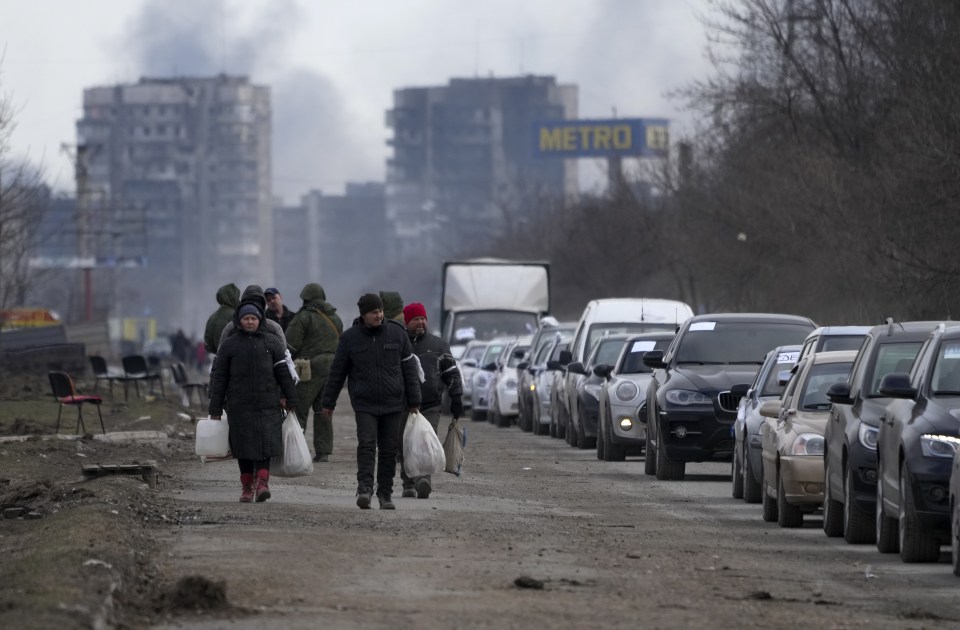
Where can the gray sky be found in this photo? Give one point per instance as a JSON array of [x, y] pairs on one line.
[[333, 66]]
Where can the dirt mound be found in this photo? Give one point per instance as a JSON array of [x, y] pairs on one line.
[[196, 592]]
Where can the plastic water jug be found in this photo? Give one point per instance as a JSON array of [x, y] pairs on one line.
[[213, 437]]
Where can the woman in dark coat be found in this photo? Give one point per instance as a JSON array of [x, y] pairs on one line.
[[251, 380]]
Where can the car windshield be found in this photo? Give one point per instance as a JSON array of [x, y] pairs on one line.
[[633, 358], [891, 358], [946, 372], [492, 353], [819, 379], [708, 342], [544, 354], [560, 347], [841, 342], [630, 328], [607, 352], [485, 325], [475, 353], [784, 362]]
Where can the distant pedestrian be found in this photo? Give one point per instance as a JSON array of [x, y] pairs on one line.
[[392, 306], [251, 381], [440, 374], [228, 297], [276, 309], [313, 334], [383, 386], [200, 355]]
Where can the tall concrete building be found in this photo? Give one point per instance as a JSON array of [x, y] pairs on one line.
[[174, 193], [463, 160], [339, 241]]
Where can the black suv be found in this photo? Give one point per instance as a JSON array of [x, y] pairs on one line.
[[698, 382], [850, 461], [919, 436]]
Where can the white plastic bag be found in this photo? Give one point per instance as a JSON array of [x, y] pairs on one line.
[[422, 450], [213, 437], [295, 461]]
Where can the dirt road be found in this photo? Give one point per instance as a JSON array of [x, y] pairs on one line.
[[610, 547]]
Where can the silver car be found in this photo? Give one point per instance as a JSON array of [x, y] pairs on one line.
[[483, 378], [468, 365], [622, 428]]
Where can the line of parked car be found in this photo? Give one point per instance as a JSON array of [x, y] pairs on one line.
[[858, 423]]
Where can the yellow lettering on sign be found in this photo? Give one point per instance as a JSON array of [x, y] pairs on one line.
[[551, 140], [601, 137], [658, 138], [584, 131], [569, 139], [622, 137]]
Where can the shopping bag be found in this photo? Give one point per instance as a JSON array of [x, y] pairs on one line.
[[453, 446], [295, 461], [422, 450], [213, 437]]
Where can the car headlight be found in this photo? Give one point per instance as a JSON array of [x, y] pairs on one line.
[[533, 387], [939, 445], [687, 397], [868, 436], [593, 390], [808, 444], [627, 391]]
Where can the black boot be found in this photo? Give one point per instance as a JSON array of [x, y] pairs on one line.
[[385, 502]]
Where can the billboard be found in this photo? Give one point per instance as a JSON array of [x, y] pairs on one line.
[[625, 137]]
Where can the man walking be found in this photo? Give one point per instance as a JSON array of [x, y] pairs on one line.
[[228, 297], [384, 386], [276, 309], [440, 373], [313, 335]]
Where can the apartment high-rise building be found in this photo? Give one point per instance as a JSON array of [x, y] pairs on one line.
[[174, 193], [463, 160]]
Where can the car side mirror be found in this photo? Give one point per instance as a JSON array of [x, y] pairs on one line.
[[740, 390], [897, 385], [565, 357], [553, 365], [489, 367], [603, 370], [470, 363], [576, 368], [770, 409], [654, 359], [839, 393], [783, 377], [522, 365]]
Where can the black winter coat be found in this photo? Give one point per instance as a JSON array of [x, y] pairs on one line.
[[439, 369], [381, 368], [249, 377]]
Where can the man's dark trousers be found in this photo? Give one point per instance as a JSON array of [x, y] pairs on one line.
[[377, 445]]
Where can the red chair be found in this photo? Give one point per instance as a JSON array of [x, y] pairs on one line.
[[66, 394]]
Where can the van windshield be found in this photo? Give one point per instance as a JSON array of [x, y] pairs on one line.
[[486, 325], [626, 328]]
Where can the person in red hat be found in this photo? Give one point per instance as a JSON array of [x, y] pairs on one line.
[[440, 373]]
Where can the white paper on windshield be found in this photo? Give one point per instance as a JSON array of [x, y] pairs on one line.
[[465, 333], [643, 346], [703, 325], [952, 351], [788, 357]]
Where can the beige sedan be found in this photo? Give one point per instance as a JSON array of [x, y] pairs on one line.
[[792, 438]]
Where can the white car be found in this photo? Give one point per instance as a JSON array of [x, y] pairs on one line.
[[482, 378], [468, 364], [504, 397]]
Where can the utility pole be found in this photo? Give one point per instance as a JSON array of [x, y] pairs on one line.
[[85, 241]]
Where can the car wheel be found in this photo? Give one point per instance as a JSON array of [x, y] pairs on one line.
[[649, 454], [601, 445], [752, 490], [535, 427], [477, 415], [611, 452], [885, 527], [916, 542], [832, 509], [955, 537], [571, 434], [561, 425], [769, 503], [667, 469], [788, 515], [736, 472], [858, 525], [583, 441]]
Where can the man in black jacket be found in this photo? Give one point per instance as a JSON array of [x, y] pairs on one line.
[[439, 373], [384, 386], [277, 310]]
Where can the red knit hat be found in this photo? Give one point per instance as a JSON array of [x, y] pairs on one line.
[[412, 311]]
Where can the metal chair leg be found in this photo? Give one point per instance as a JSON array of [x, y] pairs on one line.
[[59, 411], [102, 428]]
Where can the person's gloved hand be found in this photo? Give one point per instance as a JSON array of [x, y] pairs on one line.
[[456, 407]]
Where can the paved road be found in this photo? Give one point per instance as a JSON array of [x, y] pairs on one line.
[[611, 547]]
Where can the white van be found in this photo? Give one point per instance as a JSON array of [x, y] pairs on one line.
[[610, 317]]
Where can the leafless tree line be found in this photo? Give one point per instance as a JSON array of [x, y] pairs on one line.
[[824, 177]]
